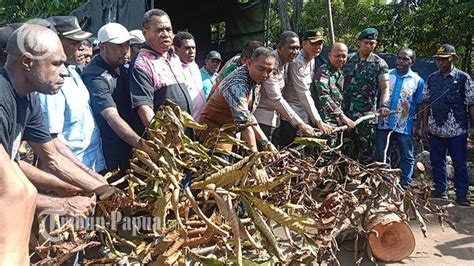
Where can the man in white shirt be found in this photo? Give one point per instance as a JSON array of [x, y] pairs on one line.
[[185, 48]]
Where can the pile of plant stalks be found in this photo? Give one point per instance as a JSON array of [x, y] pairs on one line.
[[257, 210]]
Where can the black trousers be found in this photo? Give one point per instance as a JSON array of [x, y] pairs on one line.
[[268, 131], [287, 134]]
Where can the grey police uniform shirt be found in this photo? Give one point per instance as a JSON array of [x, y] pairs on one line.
[[297, 88]]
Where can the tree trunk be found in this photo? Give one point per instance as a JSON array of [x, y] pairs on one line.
[[466, 60], [283, 15], [295, 17]]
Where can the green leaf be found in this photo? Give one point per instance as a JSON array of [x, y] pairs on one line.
[[313, 142], [210, 260]]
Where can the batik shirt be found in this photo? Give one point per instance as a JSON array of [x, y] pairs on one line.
[[231, 65], [405, 93], [328, 83], [361, 77], [232, 103], [449, 99], [155, 78], [236, 90]]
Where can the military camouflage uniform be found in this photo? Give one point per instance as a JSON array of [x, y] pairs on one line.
[[361, 79], [328, 83]]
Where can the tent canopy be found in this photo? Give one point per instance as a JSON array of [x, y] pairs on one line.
[[222, 25]]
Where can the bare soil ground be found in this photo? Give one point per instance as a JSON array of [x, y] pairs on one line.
[[448, 247], [441, 246]]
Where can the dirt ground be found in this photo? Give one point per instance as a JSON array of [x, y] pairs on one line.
[[448, 247]]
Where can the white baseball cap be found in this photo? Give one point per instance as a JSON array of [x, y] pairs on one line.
[[113, 33], [137, 37]]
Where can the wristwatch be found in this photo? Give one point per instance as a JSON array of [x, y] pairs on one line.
[[265, 142]]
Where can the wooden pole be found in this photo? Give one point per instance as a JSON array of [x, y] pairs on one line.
[[331, 26]]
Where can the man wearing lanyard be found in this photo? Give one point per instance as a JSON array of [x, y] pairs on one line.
[[406, 94]]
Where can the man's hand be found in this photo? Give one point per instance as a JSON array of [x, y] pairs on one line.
[[117, 195], [325, 128], [271, 148], [384, 111], [306, 129], [347, 121], [78, 206], [103, 189]]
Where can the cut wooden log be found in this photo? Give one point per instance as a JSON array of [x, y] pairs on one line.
[[420, 167], [422, 159], [391, 238]]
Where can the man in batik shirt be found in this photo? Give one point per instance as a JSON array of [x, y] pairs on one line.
[[235, 62], [236, 99], [449, 94]]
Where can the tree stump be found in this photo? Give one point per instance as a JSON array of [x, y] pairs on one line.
[[391, 239], [423, 159]]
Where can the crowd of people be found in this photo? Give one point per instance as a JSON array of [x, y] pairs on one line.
[[83, 102]]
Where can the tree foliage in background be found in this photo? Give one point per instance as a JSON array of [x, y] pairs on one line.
[[12, 11], [420, 25]]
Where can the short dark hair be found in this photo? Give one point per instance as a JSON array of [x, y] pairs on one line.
[[180, 36], [286, 35], [262, 51], [411, 51], [249, 48], [150, 14]]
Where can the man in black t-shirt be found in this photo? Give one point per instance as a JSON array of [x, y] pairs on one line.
[[35, 62], [106, 78]]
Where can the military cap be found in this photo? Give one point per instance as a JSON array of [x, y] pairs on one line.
[[445, 51], [313, 36], [369, 33]]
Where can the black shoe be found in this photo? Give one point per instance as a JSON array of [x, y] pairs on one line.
[[437, 195], [463, 201]]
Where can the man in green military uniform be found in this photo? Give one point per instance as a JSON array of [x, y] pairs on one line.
[[365, 80], [328, 84]]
